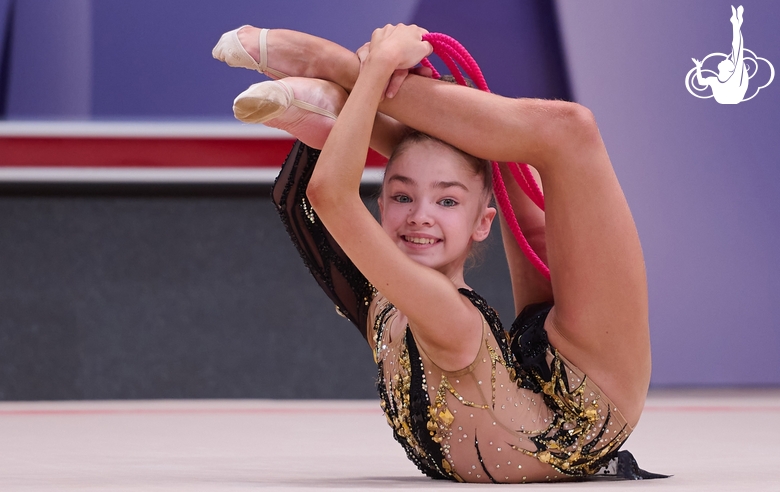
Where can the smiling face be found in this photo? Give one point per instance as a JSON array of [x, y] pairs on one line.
[[433, 205]]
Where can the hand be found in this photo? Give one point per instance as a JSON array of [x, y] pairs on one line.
[[399, 76], [401, 45], [697, 62], [404, 47], [396, 79]]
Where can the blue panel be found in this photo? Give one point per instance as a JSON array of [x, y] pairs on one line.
[[51, 59], [153, 58], [6, 14], [515, 43]]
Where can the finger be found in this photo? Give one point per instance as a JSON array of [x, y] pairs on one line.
[[423, 72], [429, 46], [395, 82], [363, 51]]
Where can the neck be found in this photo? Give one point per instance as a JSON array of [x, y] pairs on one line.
[[454, 271]]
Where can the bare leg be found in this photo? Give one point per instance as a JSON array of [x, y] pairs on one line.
[[302, 55], [600, 318]]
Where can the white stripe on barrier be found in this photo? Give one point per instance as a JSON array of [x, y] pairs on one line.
[[138, 129], [225, 175]]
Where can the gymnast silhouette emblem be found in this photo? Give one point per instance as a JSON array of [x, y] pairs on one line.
[[730, 84]]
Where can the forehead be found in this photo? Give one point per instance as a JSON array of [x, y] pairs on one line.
[[429, 162]]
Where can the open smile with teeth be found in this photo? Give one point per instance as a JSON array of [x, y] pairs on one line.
[[419, 240]]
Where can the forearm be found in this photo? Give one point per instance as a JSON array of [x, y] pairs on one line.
[[342, 159], [529, 286]]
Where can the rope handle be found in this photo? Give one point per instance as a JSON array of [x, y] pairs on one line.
[[453, 54]]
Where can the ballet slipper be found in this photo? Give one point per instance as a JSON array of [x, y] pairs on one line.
[[292, 54], [230, 50], [305, 108]]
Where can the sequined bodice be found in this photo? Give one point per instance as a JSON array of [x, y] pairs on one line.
[[520, 412], [480, 424]]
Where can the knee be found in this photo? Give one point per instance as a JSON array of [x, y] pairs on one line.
[[567, 129]]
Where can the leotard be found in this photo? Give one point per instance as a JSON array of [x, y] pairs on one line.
[[521, 412]]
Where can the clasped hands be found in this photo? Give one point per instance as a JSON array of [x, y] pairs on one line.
[[403, 47]]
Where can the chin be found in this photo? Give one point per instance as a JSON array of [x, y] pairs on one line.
[[423, 260]]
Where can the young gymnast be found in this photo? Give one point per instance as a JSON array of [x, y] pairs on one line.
[[555, 396]]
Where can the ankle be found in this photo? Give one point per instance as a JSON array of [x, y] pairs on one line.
[[305, 55]]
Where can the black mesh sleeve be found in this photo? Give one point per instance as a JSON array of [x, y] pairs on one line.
[[327, 262]]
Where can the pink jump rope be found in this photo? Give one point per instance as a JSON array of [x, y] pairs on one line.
[[452, 53]]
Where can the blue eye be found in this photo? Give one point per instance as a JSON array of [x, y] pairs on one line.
[[447, 202], [402, 199]]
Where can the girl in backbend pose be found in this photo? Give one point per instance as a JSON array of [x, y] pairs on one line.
[[556, 395]]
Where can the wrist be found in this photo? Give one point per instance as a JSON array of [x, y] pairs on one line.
[[380, 62]]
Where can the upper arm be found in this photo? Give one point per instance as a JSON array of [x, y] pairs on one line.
[[338, 277], [529, 286]]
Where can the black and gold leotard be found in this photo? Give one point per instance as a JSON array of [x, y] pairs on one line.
[[520, 412]]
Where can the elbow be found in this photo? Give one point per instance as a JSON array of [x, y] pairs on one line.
[[575, 121], [316, 193], [324, 195]]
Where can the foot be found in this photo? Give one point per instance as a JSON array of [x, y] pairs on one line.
[[246, 47], [281, 52], [306, 108]]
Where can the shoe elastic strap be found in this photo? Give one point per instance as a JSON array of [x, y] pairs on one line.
[[303, 104], [313, 108], [264, 57]]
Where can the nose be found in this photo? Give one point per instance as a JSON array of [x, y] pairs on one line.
[[419, 214]]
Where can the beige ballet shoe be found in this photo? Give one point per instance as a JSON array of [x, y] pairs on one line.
[[309, 116], [230, 51]]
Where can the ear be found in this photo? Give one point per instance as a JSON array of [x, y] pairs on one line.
[[483, 226], [381, 204]]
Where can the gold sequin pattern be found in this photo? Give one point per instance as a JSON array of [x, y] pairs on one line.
[[574, 442], [568, 428]]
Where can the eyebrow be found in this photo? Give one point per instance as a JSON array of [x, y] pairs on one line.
[[438, 184]]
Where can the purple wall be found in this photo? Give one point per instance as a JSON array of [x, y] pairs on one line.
[[153, 58], [703, 179], [50, 67], [515, 43]]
